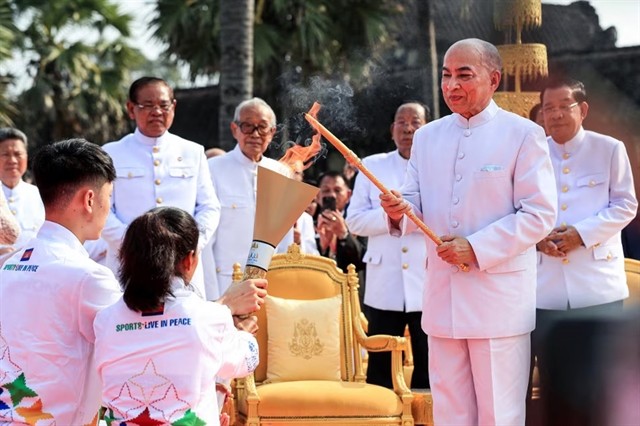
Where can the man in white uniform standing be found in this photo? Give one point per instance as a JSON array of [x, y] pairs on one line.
[[234, 177], [156, 168], [581, 263], [22, 198], [50, 292], [395, 266], [482, 179]]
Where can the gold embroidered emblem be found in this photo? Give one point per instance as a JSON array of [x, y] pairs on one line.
[[305, 342]]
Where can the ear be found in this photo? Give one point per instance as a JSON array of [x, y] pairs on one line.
[[584, 110], [391, 128], [130, 110], [234, 127], [88, 200], [495, 79]]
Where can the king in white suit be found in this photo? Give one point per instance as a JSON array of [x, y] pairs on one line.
[[482, 179]]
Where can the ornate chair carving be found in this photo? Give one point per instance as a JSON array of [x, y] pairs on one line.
[[306, 280], [632, 268]]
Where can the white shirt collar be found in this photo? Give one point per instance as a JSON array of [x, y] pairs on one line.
[[243, 159], [479, 119], [572, 145], [8, 191], [146, 140]]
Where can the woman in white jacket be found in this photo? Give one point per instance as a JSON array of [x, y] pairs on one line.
[[159, 348]]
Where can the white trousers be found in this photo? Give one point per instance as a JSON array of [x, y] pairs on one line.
[[479, 381]]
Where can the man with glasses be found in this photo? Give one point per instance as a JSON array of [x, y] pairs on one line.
[[156, 168], [581, 263], [234, 177]]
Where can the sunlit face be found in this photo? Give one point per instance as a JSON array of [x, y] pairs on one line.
[[258, 121], [408, 119], [467, 85], [334, 187], [13, 161], [153, 109], [562, 114]]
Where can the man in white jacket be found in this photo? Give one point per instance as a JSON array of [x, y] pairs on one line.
[[22, 198], [157, 168], [581, 263], [482, 179], [234, 177], [395, 271]]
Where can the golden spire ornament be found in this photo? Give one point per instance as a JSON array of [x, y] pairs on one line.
[[522, 61]]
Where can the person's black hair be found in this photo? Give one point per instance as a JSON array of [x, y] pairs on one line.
[[12, 133], [332, 174], [59, 169], [578, 91], [152, 249], [145, 81]]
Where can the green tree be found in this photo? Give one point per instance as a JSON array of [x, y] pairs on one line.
[[330, 37], [80, 73]]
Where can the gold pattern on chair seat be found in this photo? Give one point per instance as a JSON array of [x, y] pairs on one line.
[[311, 398]]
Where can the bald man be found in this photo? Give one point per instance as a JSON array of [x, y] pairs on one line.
[[482, 179]]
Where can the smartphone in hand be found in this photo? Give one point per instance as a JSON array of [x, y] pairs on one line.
[[329, 203]]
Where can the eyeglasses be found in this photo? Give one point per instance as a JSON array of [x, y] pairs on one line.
[[164, 107], [248, 128], [563, 109]]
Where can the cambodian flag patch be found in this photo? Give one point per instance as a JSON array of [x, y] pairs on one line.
[[26, 255]]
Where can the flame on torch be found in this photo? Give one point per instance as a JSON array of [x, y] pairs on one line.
[[298, 157]]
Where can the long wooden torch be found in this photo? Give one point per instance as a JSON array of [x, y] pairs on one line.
[[355, 161]]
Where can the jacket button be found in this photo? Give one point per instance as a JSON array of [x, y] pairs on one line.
[[405, 266], [405, 249], [159, 200], [566, 170], [158, 181], [565, 260], [156, 162]]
